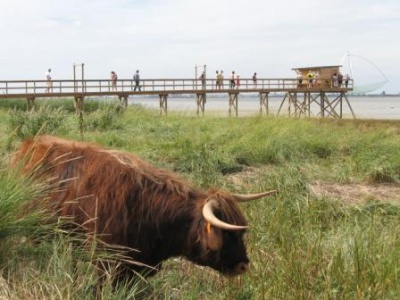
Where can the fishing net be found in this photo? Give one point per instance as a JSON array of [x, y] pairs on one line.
[[366, 75]]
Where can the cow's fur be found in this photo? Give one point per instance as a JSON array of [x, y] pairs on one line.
[[129, 202]]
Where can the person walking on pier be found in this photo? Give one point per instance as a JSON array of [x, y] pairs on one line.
[[221, 79], [136, 78], [114, 78], [216, 79], [203, 80], [232, 80], [49, 83], [254, 80], [237, 82]]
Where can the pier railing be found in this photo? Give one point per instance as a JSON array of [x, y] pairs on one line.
[[42, 88]]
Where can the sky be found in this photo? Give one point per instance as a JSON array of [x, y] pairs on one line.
[[169, 38]]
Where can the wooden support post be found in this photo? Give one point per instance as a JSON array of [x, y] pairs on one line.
[[78, 104], [200, 101], [283, 101], [30, 103], [333, 107], [322, 106], [329, 108], [312, 99], [163, 103], [264, 102], [297, 105], [289, 96], [233, 102], [308, 104], [302, 106], [123, 100], [294, 105], [348, 103]]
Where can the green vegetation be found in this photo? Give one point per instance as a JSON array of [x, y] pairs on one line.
[[302, 244]]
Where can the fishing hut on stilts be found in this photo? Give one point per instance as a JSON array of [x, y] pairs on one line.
[[320, 89]]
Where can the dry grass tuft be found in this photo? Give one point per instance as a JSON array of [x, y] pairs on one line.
[[356, 193]]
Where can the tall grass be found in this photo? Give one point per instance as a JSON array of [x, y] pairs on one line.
[[39, 259], [301, 245]]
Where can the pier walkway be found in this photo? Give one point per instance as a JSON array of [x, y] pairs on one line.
[[298, 97]]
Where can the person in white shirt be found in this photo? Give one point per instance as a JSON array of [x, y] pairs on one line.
[[49, 82]]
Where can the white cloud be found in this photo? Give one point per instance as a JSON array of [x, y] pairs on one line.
[[167, 38]]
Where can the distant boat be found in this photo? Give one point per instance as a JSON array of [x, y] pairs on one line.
[[360, 69]]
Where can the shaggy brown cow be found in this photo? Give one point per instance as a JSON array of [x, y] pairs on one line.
[[132, 203]]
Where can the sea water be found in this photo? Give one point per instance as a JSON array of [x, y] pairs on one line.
[[364, 107]]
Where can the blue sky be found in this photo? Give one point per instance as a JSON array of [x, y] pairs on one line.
[[167, 38]]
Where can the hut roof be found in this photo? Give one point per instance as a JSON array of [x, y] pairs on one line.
[[316, 67]]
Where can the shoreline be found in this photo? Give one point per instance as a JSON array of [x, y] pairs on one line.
[[364, 107]]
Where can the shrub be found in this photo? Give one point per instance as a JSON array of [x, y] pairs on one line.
[[103, 118], [30, 123]]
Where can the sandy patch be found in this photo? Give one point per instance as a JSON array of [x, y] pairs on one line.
[[352, 193], [356, 193]]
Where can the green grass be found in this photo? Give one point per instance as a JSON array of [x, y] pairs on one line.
[[301, 246]]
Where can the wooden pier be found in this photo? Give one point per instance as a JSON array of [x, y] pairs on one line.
[[298, 100]]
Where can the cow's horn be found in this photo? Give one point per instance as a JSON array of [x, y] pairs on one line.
[[208, 214], [249, 197]]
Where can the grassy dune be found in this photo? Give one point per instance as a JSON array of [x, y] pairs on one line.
[[308, 242]]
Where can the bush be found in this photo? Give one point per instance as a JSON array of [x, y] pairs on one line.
[[105, 117], [26, 124], [69, 104], [64, 104]]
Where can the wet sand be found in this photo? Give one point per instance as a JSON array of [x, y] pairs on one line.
[[364, 107]]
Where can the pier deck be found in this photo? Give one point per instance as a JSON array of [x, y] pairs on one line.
[[298, 98]]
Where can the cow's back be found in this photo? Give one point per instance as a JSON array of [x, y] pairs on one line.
[[109, 192]]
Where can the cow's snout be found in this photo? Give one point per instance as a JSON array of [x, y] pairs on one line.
[[240, 268]]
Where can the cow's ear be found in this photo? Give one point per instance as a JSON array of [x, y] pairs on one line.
[[213, 237]]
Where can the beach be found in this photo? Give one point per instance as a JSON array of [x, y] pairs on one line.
[[364, 107]]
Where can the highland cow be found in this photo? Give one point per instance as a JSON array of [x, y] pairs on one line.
[[127, 201]]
